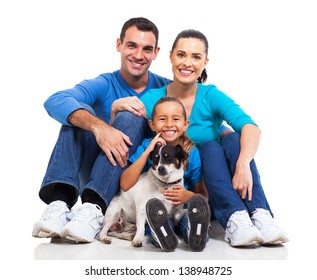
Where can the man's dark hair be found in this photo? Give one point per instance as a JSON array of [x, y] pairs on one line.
[[141, 24]]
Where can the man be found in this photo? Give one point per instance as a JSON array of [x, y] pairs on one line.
[[84, 160]]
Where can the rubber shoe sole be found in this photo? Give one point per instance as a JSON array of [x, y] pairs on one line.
[[67, 234], [199, 219], [44, 233], [254, 240], [157, 218]]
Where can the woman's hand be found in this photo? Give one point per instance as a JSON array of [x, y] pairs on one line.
[[132, 104], [242, 181]]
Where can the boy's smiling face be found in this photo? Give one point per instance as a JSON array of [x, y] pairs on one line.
[[169, 121]]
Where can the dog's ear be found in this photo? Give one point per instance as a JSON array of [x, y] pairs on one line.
[[183, 155], [157, 147]]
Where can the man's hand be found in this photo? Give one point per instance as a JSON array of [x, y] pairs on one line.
[[114, 143]]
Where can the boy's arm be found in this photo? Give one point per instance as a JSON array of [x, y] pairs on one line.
[[200, 188], [180, 195], [130, 176]]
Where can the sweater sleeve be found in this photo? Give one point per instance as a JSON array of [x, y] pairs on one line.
[[194, 169], [62, 103], [226, 109]]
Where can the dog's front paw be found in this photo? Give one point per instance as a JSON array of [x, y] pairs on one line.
[[103, 237], [137, 243]]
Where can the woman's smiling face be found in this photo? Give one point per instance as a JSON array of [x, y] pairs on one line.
[[188, 59]]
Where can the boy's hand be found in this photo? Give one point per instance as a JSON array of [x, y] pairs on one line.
[[178, 195], [156, 140]]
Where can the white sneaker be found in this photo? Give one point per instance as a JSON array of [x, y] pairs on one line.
[[240, 231], [85, 225], [54, 218], [271, 233]]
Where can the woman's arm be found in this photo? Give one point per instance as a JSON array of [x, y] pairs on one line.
[[249, 143]]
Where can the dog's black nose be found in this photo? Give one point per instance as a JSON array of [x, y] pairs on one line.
[[162, 170]]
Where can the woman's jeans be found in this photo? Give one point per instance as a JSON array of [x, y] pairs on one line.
[[77, 161], [219, 163]]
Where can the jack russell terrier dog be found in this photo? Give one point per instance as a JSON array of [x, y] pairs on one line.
[[128, 209]]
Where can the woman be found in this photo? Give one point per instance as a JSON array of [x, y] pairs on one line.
[[235, 192]]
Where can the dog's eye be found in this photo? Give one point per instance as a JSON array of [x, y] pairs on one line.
[[168, 158], [156, 159]]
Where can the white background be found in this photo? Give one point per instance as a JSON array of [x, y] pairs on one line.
[[262, 53]]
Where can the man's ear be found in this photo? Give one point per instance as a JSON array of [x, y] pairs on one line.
[[156, 52], [118, 45]]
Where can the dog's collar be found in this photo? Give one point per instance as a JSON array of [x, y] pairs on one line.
[[172, 183]]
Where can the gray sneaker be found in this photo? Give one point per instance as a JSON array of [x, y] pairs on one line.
[[85, 225], [55, 216]]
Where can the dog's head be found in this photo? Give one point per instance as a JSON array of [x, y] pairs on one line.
[[168, 163]]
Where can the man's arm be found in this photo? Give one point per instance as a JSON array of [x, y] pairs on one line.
[[112, 141]]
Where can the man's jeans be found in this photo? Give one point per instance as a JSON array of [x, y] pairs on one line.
[[219, 163], [78, 161]]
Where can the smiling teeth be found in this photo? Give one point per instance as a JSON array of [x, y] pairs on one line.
[[186, 71], [169, 132]]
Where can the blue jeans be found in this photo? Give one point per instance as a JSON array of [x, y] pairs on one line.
[[78, 162], [219, 162]]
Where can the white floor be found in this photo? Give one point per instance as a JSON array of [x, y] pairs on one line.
[[217, 249]]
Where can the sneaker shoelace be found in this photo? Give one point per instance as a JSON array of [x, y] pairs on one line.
[[241, 219], [52, 210], [263, 216], [83, 214]]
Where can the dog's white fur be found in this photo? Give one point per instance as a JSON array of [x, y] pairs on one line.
[[128, 207]]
